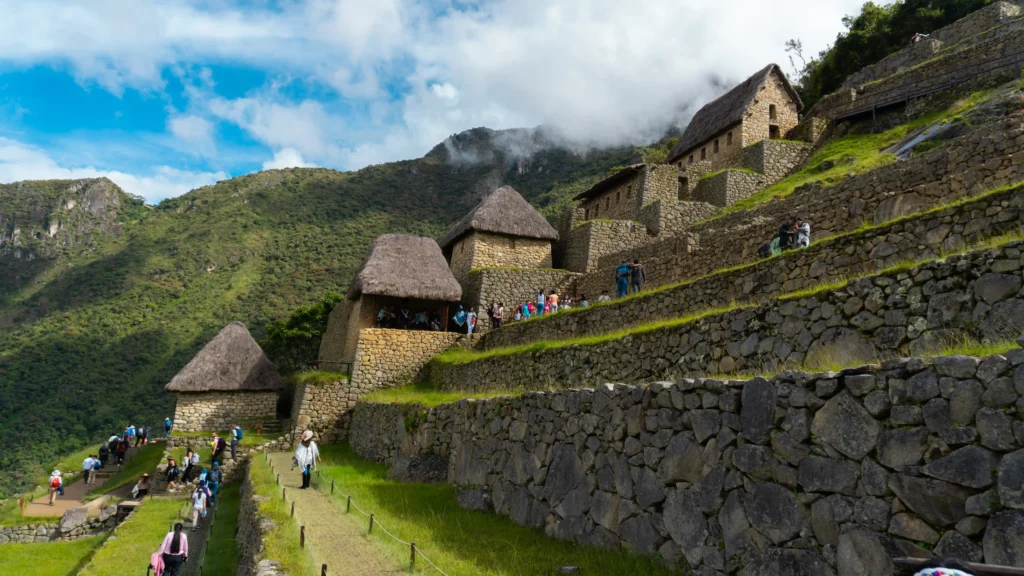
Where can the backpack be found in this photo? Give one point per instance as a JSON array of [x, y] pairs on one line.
[[238, 433], [96, 465]]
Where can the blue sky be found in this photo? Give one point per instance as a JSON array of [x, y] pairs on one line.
[[164, 97]]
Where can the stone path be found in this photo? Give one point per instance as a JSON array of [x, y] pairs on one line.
[[334, 539], [74, 495]]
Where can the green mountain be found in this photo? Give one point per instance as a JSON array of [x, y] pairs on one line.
[[104, 299]]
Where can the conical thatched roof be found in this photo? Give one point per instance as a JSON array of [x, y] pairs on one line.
[[726, 110], [403, 266], [232, 361], [505, 212]]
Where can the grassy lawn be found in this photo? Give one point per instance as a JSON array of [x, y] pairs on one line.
[[145, 460], [281, 543], [249, 437], [462, 542], [128, 550], [427, 394], [315, 378], [47, 558], [223, 557]]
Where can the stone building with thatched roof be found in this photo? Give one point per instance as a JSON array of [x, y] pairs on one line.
[[229, 381], [502, 231]]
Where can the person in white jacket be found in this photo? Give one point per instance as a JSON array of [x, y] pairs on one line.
[[306, 457]]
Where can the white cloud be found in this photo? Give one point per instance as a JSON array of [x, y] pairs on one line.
[[20, 161], [193, 130], [306, 127], [286, 158]]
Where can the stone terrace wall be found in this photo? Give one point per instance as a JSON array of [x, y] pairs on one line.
[[977, 22], [387, 358], [322, 408], [896, 62], [727, 187], [669, 218], [251, 527], [593, 239], [213, 411], [73, 526], [916, 310], [775, 159], [984, 159], [868, 252], [804, 475], [511, 286]]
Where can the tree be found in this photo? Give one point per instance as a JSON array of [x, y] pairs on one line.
[[294, 342]]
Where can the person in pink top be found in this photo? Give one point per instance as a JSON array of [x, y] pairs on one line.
[[174, 550]]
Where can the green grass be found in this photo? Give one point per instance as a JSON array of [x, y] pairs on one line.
[[47, 558], [717, 172], [282, 542], [461, 542], [463, 356], [427, 394], [128, 550], [249, 437], [853, 155], [144, 461], [223, 557], [311, 377], [969, 347]]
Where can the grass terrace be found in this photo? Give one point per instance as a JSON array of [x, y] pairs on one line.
[[461, 542], [311, 377], [47, 558], [249, 437], [128, 551], [144, 461], [282, 542], [717, 172], [429, 395]]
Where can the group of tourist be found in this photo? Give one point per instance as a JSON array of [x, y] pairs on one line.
[[629, 278], [115, 447], [405, 319], [793, 233], [542, 305]]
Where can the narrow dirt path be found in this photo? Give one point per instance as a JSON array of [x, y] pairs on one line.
[[74, 494], [334, 539]]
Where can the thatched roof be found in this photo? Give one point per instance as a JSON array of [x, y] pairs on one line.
[[232, 361], [403, 266], [611, 182], [504, 212], [727, 110]]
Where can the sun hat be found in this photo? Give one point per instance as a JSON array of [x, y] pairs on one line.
[[308, 434]]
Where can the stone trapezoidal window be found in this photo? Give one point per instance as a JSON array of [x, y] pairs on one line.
[[618, 196], [512, 243], [772, 112], [629, 192], [774, 133], [691, 158], [728, 139], [716, 145], [684, 188], [704, 153]]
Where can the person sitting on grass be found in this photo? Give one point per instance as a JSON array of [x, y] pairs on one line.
[[604, 297], [141, 488]]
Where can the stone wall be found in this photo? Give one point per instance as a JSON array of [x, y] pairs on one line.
[[619, 203], [806, 474], [977, 22], [896, 62], [757, 121], [692, 174], [593, 239], [322, 409], [727, 187], [669, 217], [989, 157], [484, 250], [511, 286], [774, 159], [215, 411], [252, 525], [387, 358], [906, 311], [332, 344], [74, 525], [603, 279], [705, 158], [857, 254], [660, 184]]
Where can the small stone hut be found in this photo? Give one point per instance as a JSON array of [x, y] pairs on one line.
[[400, 271], [503, 231], [761, 107], [229, 381]]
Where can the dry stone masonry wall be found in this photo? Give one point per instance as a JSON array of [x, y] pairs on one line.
[[213, 411], [594, 238], [252, 526], [669, 218], [905, 311], [322, 409], [387, 358], [727, 187], [774, 159], [74, 525], [922, 237], [805, 475], [483, 250], [511, 286]]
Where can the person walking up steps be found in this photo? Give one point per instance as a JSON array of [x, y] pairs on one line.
[[190, 465], [174, 551], [236, 437], [56, 485], [199, 497], [219, 445], [87, 469], [306, 457], [104, 454], [213, 480]]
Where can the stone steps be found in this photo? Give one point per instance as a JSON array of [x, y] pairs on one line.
[[896, 313]]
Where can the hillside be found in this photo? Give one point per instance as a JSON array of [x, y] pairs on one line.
[[103, 299]]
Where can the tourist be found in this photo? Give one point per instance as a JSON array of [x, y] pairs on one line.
[[219, 446], [765, 249], [947, 566], [565, 304], [637, 276], [122, 449], [499, 314], [435, 323], [191, 459], [420, 322], [622, 279], [104, 454], [583, 301], [140, 436], [786, 234], [141, 488], [173, 551], [404, 316], [546, 309], [492, 311], [541, 301], [530, 311], [306, 457], [553, 301], [199, 496], [172, 473], [470, 321], [213, 480], [518, 315], [87, 469], [604, 297], [460, 318], [236, 438], [167, 426], [803, 233], [56, 485]]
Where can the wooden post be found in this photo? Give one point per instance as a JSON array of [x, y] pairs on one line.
[[348, 505], [332, 486], [302, 536], [293, 509], [283, 495], [371, 523], [278, 479], [412, 555], [323, 570]]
